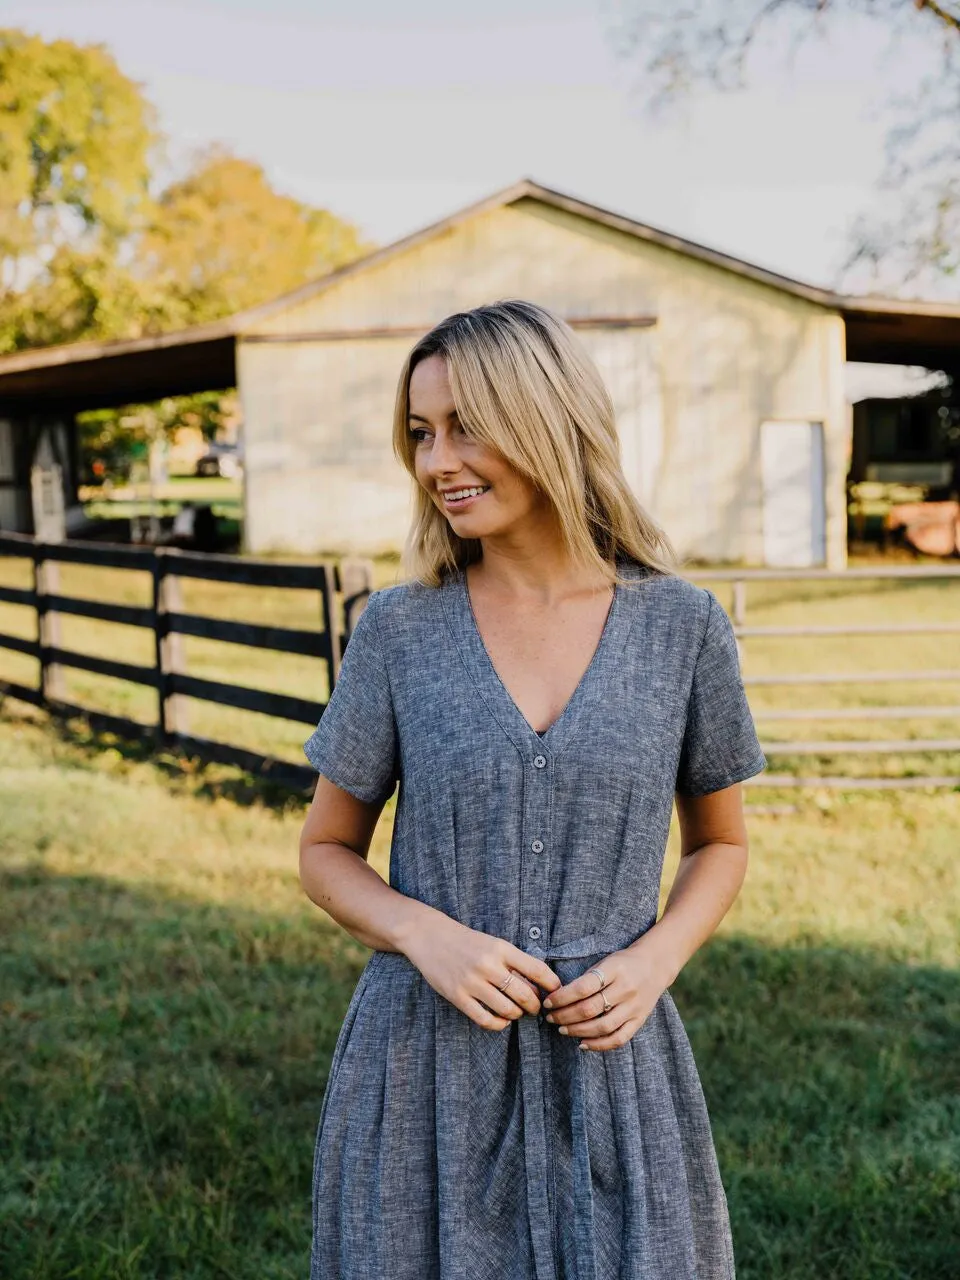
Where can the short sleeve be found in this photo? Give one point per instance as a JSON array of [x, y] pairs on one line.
[[720, 745], [354, 745]]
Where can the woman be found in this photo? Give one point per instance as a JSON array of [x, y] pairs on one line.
[[512, 1094]]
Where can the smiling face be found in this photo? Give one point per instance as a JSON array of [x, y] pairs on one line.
[[479, 492]]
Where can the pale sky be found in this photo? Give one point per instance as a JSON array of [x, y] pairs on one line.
[[395, 115]]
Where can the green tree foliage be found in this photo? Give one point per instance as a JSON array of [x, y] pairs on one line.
[[222, 239], [913, 237], [76, 136], [89, 251], [107, 436]]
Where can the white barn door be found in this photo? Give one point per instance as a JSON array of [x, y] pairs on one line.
[[794, 516], [627, 360]]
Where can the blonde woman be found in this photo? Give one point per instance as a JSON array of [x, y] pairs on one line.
[[512, 1095]]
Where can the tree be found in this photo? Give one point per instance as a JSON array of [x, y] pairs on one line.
[[76, 137], [87, 250], [222, 239], [683, 46]]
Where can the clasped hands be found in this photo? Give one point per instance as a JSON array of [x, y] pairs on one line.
[[494, 983]]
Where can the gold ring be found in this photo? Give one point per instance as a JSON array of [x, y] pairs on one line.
[[607, 1006]]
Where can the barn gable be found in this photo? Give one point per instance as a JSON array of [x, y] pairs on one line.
[[524, 246], [696, 349]]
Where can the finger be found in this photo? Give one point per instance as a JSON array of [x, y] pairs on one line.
[[503, 1003], [588, 984], [482, 1016], [579, 1012], [523, 993], [620, 1037], [540, 974], [594, 1028]]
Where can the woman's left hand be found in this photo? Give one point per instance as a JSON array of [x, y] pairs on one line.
[[635, 979]]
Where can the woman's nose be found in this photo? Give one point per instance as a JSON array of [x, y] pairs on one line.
[[444, 459]]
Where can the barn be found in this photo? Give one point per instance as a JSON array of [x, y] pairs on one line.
[[728, 379]]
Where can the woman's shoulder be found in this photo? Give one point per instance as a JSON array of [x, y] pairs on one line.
[[669, 590], [406, 604], [673, 607]]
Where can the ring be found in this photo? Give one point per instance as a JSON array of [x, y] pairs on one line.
[[599, 973], [510, 978], [607, 1006]]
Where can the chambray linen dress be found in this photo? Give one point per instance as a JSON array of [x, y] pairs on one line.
[[447, 1152]]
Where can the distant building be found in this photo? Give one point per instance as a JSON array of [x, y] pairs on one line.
[[728, 379]]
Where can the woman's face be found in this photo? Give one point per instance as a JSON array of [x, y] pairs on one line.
[[479, 492]]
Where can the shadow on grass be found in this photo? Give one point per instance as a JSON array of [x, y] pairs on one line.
[[162, 1064], [200, 779]]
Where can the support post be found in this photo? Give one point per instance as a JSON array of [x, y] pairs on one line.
[[356, 583], [331, 622], [739, 602], [739, 612], [46, 582], [172, 713]]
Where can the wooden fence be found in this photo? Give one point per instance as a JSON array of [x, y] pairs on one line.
[[169, 623], [166, 618], [740, 580]]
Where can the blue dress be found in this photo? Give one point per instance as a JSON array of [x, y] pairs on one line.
[[447, 1152]]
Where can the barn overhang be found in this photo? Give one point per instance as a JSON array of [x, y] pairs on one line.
[[102, 375], [886, 331]]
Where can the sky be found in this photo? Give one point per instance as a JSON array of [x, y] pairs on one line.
[[394, 116]]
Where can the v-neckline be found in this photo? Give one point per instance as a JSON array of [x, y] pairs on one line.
[[498, 698]]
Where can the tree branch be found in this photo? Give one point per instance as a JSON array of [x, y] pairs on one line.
[[939, 11]]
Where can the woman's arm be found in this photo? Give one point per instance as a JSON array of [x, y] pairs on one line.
[[336, 876], [463, 965], [713, 862]]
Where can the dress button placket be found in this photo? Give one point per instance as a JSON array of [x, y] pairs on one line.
[[535, 933]]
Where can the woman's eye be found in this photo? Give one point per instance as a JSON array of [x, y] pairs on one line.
[[419, 433]]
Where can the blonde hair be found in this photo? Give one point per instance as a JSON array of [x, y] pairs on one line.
[[524, 386]]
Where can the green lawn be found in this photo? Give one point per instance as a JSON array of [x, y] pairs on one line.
[[224, 495], [170, 1002]]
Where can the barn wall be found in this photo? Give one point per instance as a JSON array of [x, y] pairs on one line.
[[725, 354], [319, 471]]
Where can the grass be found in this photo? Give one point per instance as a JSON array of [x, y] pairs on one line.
[[170, 1003], [107, 503]]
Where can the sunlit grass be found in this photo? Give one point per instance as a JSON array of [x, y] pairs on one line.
[[169, 1002]]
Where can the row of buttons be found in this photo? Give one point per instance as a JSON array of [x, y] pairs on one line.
[[535, 932]]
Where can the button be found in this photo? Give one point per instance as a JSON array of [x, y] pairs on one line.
[[539, 762], [535, 932], [537, 846]]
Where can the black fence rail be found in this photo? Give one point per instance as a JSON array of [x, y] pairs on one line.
[[343, 590]]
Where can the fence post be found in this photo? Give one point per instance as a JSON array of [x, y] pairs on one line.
[[46, 582], [356, 583], [739, 612], [172, 714], [739, 602], [328, 590]]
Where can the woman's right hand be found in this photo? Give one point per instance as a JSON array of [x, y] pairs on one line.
[[468, 968]]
